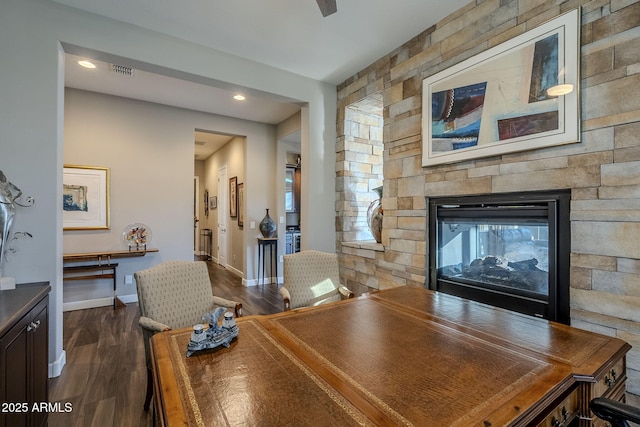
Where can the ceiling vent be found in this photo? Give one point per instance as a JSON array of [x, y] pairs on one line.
[[122, 70], [201, 143]]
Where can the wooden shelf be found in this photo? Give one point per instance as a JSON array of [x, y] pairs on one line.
[[103, 269], [105, 255]]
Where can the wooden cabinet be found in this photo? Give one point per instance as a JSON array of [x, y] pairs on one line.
[[24, 345], [292, 189], [610, 382]]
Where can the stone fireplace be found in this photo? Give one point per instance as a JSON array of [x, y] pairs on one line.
[[602, 170], [507, 250]]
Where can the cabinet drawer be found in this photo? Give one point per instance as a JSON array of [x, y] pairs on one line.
[[564, 413], [612, 377], [615, 393]]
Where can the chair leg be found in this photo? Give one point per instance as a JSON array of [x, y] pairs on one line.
[[147, 399]]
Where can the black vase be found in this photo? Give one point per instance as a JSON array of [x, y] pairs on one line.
[[268, 226]]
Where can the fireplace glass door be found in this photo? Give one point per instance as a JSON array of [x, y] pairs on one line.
[[497, 254], [506, 250]]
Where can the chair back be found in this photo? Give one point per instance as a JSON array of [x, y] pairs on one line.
[[176, 293], [312, 278]]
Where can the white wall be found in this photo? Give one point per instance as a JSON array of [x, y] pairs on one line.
[[31, 123], [149, 151]]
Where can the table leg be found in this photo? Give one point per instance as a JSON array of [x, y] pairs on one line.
[[274, 259]]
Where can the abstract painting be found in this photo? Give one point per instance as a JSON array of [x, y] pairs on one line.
[[519, 95], [85, 198]]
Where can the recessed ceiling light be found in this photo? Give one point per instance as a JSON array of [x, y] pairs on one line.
[[239, 97], [87, 64]]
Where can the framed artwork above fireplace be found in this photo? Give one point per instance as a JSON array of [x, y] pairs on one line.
[[519, 95]]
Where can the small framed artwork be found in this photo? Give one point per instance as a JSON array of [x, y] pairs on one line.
[[213, 202], [85, 198], [519, 95], [233, 197], [241, 205]]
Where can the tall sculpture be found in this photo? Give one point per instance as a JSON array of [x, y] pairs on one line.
[[10, 197]]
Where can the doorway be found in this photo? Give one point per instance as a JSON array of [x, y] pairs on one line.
[[196, 219], [222, 215]]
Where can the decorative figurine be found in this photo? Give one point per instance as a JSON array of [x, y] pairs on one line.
[[10, 197], [216, 335]]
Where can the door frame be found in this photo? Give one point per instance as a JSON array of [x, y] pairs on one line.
[[223, 216], [196, 214]]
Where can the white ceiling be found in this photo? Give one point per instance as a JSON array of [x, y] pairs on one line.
[[290, 35], [153, 87], [207, 143]]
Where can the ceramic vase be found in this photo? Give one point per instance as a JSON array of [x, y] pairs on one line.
[[374, 216], [268, 226]]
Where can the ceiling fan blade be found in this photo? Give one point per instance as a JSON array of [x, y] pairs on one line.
[[327, 7]]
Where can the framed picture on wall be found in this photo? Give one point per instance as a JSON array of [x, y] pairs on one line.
[[213, 202], [519, 95], [233, 197], [241, 205], [85, 198]]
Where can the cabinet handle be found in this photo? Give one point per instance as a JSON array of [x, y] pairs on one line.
[[33, 326], [611, 381], [558, 423]]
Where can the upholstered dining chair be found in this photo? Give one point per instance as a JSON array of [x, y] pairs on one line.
[[311, 278], [172, 295]]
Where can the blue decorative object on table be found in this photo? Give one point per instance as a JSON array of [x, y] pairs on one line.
[[216, 335]]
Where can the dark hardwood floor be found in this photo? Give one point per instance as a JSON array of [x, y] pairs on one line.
[[105, 375]]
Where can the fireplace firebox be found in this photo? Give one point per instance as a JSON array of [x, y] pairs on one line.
[[506, 250]]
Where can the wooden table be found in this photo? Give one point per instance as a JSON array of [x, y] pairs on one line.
[[406, 356], [100, 268]]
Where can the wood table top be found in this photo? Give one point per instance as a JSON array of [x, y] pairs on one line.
[[406, 356], [106, 255]]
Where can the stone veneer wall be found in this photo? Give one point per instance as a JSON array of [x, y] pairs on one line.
[[602, 171], [359, 167]]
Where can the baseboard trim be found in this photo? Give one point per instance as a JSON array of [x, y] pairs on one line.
[[90, 303], [265, 281], [128, 298], [98, 302], [55, 368], [234, 271]]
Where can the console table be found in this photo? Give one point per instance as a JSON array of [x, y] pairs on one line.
[[100, 268], [405, 356]]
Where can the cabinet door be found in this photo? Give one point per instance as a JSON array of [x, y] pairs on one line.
[[289, 194], [39, 360], [297, 186], [14, 360], [24, 360]]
